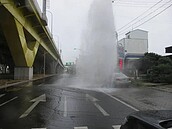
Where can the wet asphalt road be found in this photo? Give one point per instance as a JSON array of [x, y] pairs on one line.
[[54, 104]]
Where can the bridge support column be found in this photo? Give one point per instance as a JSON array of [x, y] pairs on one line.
[[52, 67], [25, 73]]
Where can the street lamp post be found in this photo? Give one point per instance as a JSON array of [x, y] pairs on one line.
[[116, 35], [59, 45], [51, 20], [58, 41], [52, 30], [82, 52]]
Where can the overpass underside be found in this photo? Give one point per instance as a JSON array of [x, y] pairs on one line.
[[25, 40]]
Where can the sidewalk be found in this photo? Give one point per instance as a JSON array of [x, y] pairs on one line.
[[5, 83], [158, 86], [165, 88], [145, 96]]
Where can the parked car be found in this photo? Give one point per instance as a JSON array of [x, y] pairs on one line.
[[120, 79]]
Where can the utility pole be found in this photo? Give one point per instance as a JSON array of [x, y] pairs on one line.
[[44, 6], [51, 21]]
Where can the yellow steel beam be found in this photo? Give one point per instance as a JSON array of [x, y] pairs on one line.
[[29, 52], [23, 52], [17, 14]]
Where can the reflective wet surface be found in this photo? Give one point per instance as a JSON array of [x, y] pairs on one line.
[[145, 98], [67, 102], [59, 103]]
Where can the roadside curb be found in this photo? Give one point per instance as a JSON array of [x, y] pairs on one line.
[[146, 84], [156, 86], [22, 82], [162, 89]]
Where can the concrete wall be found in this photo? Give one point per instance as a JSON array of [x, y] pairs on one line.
[[137, 34], [136, 46], [23, 73], [136, 42]]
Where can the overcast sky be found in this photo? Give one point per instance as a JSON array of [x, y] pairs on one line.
[[70, 18]]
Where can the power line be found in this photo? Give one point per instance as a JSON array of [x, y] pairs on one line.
[[154, 16], [127, 5], [139, 15], [144, 17], [150, 18], [135, 2], [145, 5]]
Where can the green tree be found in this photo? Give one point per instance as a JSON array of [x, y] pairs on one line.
[[160, 73], [148, 61], [156, 67], [164, 60]]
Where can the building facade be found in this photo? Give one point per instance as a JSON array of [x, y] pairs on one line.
[[132, 47]]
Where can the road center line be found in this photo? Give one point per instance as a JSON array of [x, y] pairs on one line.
[[84, 127], [116, 126], [8, 101], [101, 109], [94, 101], [113, 97], [91, 98], [2, 95], [65, 107]]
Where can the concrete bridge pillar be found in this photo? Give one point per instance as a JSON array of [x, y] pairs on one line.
[[53, 67], [24, 73], [25, 32], [22, 45]]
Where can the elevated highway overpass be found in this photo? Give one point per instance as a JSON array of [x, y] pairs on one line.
[[26, 45]]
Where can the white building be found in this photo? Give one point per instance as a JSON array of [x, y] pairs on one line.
[[132, 47]]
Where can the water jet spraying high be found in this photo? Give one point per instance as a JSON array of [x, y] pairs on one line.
[[98, 55]]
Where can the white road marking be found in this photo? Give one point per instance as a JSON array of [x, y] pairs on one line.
[[65, 107], [84, 127], [94, 100], [116, 126], [113, 97], [38, 128], [2, 95], [8, 101], [101, 109], [91, 98], [36, 101]]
